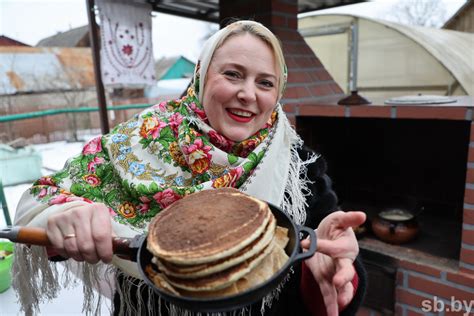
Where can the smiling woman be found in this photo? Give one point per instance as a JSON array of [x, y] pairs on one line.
[[228, 131]]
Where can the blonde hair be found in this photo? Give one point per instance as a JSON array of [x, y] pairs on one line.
[[238, 28]]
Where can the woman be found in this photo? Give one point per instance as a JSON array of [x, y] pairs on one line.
[[228, 131]]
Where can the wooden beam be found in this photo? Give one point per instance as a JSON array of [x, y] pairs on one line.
[[95, 47]]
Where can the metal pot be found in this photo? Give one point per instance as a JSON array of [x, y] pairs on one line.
[[395, 226], [134, 249]]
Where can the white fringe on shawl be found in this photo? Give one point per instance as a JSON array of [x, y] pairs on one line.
[[36, 279]]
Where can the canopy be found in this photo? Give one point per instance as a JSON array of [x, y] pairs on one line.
[[393, 59]]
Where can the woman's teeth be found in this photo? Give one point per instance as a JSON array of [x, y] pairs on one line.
[[241, 113]]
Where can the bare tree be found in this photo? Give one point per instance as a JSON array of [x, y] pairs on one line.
[[429, 13]]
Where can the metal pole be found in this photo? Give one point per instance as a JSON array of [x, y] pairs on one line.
[[95, 46], [353, 57]]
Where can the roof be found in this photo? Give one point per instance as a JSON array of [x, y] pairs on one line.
[[69, 38], [36, 69], [208, 10], [452, 49], [163, 64], [459, 12], [7, 41]]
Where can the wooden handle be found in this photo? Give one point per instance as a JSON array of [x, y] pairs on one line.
[[125, 248], [33, 236]]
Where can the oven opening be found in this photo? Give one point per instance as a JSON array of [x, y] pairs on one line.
[[380, 163]]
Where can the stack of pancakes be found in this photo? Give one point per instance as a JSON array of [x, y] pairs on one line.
[[215, 243]]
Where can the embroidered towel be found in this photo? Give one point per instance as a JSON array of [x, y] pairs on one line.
[[126, 47]]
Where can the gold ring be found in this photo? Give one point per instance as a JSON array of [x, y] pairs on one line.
[[69, 236]]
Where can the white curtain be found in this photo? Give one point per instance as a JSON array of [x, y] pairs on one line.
[[126, 47]]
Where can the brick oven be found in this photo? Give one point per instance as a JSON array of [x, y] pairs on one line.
[[418, 156]]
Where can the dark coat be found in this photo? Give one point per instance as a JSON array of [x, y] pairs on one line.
[[322, 202]]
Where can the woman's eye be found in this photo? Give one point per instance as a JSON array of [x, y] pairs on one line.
[[267, 83], [233, 74]]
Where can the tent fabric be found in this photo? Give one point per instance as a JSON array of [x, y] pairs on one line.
[[455, 50], [393, 58]]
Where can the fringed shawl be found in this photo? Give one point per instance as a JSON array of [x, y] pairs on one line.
[[144, 165]]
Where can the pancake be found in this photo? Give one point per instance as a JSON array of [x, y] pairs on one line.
[[262, 272], [221, 279], [207, 226], [200, 270]]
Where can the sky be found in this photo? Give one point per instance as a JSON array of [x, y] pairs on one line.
[[29, 21]]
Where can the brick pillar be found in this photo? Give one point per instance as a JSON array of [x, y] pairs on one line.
[[308, 80]]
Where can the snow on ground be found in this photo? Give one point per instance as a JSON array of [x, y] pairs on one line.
[[69, 301]]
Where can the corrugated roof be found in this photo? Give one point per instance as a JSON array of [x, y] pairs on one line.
[[69, 38], [35, 69]]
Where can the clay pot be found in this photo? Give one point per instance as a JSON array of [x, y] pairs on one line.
[[395, 226]]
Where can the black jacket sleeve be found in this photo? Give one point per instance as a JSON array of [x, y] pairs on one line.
[[322, 202]]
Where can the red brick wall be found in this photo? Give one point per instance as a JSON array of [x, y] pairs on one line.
[[437, 284], [421, 289]]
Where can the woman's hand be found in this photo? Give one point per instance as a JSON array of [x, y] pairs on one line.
[[83, 233], [332, 264]]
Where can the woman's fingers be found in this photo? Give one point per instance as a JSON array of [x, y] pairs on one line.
[[56, 238], [102, 233], [89, 230], [345, 295], [345, 272], [84, 238], [330, 298], [350, 219]]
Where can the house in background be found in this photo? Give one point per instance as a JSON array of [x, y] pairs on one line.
[[7, 41], [76, 37], [58, 74], [42, 78], [463, 19], [174, 75], [174, 68]]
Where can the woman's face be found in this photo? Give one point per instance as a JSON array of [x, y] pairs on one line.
[[241, 87]]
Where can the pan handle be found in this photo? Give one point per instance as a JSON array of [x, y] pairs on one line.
[[125, 248], [312, 245]]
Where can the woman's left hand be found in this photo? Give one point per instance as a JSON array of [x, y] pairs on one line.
[[332, 264]]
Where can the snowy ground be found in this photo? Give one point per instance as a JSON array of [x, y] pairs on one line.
[[69, 301]]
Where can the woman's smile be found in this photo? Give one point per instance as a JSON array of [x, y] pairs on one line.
[[240, 116]]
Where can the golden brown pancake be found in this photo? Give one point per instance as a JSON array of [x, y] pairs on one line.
[[221, 279], [262, 272], [207, 226], [200, 270], [215, 243]]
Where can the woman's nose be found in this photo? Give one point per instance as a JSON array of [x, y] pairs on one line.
[[247, 93]]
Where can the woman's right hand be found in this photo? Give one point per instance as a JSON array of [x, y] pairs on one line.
[[83, 233]]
